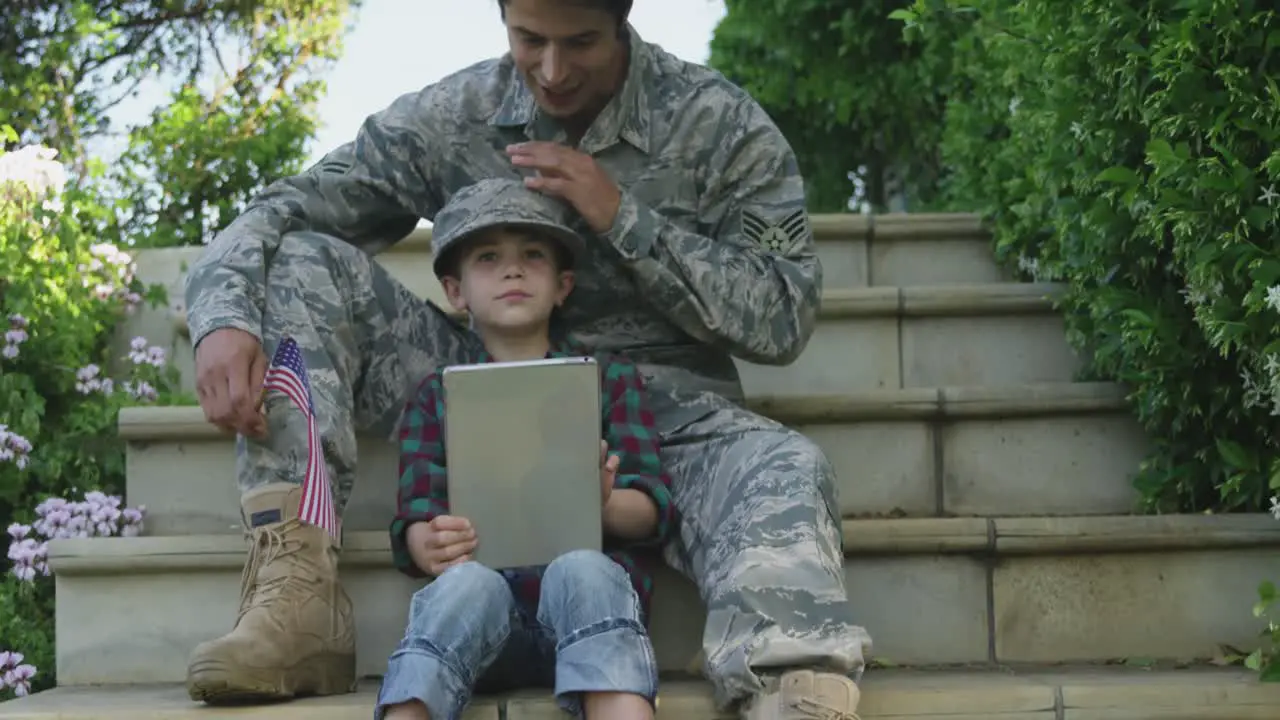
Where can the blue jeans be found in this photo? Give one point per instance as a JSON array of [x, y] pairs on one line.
[[467, 632]]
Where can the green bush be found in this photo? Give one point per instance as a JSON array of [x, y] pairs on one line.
[[63, 291], [1132, 151]]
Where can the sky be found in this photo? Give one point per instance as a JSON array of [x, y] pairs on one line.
[[398, 46]]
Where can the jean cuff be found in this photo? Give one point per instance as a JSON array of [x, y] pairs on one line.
[[418, 673], [615, 655]]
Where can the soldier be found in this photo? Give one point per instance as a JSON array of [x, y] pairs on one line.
[[700, 250]]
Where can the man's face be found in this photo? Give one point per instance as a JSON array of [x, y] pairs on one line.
[[569, 54], [508, 279]]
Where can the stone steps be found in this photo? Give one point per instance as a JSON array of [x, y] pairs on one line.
[[1045, 449], [930, 591], [1084, 693], [857, 251], [920, 336]]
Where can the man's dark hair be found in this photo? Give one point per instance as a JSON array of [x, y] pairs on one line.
[[619, 9]]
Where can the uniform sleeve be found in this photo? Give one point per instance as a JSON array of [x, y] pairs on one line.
[[632, 435], [370, 192], [422, 493], [750, 281]]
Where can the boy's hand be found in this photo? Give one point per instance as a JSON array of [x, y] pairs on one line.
[[445, 541], [608, 472]]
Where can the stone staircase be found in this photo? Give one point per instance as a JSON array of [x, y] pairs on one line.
[[989, 549]]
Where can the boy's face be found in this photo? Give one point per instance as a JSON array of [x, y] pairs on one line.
[[508, 279]]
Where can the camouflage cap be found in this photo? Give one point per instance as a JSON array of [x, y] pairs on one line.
[[501, 202]]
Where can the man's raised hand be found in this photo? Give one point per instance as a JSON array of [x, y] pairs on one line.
[[572, 176]]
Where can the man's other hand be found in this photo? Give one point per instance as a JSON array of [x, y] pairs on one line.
[[438, 545], [230, 369]]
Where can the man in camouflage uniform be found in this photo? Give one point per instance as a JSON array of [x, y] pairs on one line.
[[702, 251]]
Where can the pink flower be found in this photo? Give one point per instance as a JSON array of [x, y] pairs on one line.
[[14, 447], [14, 336], [140, 390], [15, 674], [140, 354]]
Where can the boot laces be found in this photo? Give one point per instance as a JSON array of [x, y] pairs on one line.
[[270, 545]]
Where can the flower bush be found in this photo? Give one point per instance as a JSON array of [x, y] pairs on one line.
[[64, 288]]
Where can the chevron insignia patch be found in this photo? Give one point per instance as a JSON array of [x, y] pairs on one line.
[[776, 236]]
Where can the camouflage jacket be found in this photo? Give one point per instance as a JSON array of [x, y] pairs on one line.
[[711, 255]]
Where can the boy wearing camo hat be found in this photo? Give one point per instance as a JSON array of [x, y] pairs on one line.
[[505, 255]]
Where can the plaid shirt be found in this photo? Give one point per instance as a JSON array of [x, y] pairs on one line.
[[627, 425]]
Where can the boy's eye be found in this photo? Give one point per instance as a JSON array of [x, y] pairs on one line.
[[535, 253], [487, 256]]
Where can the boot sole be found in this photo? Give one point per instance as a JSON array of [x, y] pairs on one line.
[[220, 683]]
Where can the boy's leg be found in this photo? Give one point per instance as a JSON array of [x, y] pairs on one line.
[[365, 340], [458, 626], [602, 647]]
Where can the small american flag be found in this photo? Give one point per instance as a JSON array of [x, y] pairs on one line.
[[288, 374]]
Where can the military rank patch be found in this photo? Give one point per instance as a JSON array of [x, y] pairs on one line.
[[779, 236]]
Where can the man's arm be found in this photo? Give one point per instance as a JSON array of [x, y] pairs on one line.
[[753, 283], [423, 489], [370, 192], [641, 508]]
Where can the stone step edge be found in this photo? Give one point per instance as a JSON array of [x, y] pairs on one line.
[[955, 300], [831, 227], [186, 422], [991, 537], [1113, 693]]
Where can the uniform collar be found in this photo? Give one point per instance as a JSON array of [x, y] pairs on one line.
[[626, 117]]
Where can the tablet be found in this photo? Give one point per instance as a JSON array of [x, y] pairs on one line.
[[522, 442]]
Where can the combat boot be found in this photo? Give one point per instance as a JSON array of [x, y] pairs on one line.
[[295, 634], [806, 695]]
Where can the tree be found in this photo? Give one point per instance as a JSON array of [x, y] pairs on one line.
[[247, 80], [845, 88]]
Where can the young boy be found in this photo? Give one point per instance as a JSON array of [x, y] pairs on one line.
[[504, 254]]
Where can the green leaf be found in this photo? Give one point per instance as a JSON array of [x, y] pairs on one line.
[[1235, 455], [1254, 660], [1119, 175]]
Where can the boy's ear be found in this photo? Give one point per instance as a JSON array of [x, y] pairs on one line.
[[453, 292], [566, 286]]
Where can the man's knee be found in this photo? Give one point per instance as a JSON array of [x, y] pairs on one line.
[[781, 463], [322, 254]]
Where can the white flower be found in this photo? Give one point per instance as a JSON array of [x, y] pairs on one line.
[[1275, 507], [34, 167], [1273, 297]]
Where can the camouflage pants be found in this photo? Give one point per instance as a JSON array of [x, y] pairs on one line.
[[760, 534]]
